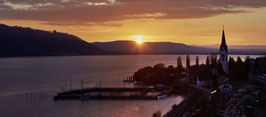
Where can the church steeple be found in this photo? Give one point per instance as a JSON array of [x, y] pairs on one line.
[[223, 43], [224, 54], [223, 39]]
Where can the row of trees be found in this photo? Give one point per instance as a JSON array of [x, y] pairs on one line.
[[238, 70], [179, 61], [210, 60], [160, 74]]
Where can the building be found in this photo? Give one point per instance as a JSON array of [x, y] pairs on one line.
[[224, 54]]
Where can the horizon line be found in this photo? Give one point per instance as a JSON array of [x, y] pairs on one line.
[[169, 42]]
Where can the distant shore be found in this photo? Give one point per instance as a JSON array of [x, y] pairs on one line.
[[125, 55]]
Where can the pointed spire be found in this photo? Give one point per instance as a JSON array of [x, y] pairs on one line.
[[223, 43], [223, 38]]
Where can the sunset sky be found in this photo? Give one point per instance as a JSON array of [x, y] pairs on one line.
[[193, 22]]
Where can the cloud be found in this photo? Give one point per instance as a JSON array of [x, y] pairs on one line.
[[78, 12], [112, 24]]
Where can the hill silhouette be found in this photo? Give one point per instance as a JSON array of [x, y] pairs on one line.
[[130, 47], [19, 41]]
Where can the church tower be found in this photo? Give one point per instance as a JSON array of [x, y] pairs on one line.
[[224, 54]]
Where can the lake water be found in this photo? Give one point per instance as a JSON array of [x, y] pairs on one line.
[[28, 84]]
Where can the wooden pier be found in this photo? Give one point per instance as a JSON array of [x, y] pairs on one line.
[[115, 93]]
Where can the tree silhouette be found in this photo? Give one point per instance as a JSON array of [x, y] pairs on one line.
[[179, 62], [188, 61], [197, 60], [208, 61]]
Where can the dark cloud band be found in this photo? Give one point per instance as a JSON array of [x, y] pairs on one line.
[[92, 11]]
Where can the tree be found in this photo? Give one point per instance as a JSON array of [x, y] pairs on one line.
[[247, 63], [179, 62], [179, 67], [239, 60], [142, 74], [188, 61], [247, 58], [213, 59], [197, 60], [214, 65], [188, 65], [208, 60], [231, 61]]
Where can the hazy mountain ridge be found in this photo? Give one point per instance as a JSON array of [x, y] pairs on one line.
[[20, 41], [239, 47], [130, 47]]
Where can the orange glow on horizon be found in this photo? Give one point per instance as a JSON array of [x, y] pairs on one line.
[[139, 39]]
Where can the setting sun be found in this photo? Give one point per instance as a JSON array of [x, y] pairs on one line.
[[139, 39]]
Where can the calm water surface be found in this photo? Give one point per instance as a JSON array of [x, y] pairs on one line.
[[27, 85]]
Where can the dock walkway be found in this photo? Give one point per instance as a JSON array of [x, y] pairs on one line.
[[113, 93]]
